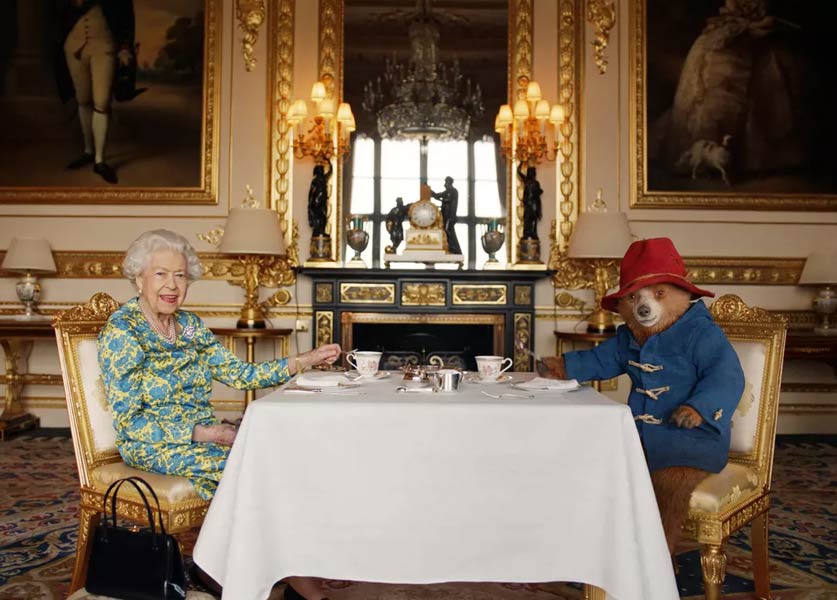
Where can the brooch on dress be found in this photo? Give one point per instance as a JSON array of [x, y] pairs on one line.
[[718, 414], [189, 332]]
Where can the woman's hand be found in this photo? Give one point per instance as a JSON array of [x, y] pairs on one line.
[[219, 434], [327, 353]]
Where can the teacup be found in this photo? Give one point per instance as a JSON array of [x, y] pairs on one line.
[[491, 367], [365, 362]]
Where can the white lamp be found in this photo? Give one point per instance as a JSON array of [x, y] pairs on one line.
[[30, 256], [821, 270], [601, 237], [252, 234]]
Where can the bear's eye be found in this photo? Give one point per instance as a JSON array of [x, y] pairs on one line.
[[660, 293]]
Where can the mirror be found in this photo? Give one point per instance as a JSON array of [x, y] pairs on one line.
[[473, 37]]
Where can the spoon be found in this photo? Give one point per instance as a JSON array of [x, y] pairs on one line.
[[540, 365]]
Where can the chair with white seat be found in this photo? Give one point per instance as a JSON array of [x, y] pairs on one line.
[[740, 494], [94, 438]]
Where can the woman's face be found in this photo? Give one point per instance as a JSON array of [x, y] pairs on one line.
[[163, 284]]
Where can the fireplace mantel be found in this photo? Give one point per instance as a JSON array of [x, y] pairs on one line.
[[504, 300]]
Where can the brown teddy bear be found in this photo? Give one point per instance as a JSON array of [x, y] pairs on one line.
[[686, 379]]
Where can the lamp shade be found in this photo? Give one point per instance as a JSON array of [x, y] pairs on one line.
[[252, 231], [820, 268], [29, 254], [600, 235]]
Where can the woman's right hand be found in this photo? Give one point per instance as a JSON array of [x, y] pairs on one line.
[[219, 434]]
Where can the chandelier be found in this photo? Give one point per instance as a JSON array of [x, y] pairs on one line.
[[423, 98]]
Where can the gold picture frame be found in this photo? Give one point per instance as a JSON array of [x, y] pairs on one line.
[[706, 108], [163, 143]]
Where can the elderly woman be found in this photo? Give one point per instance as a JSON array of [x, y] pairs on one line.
[[158, 363]]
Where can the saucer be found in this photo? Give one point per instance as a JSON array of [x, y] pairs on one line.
[[477, 379], [355, 376]]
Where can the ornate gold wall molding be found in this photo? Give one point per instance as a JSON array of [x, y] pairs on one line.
[[280, 68], [602, 16], [744, 271], [703, 270], [570, 66], [251, 14], [522, 337]]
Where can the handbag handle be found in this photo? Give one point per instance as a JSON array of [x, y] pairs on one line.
[[114, 488]]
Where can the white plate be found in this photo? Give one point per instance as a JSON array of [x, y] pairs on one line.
[[477, 379], [355, 376], [545, 389]]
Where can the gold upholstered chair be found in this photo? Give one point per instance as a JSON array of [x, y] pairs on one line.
[[740, 494], [94, 436]]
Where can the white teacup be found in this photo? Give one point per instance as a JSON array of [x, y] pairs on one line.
[[491, 367], [365, 362]]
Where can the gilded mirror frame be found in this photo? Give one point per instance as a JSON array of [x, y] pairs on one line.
[[520, 59]]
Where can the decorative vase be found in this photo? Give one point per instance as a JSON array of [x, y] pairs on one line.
[[492, 240], [357, 239]]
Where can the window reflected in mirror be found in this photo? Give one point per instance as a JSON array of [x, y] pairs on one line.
[[455, 52]]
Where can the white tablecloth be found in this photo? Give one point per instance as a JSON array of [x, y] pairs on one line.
[[426, 488]]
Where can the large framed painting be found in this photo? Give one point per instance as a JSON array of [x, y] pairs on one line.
[[109, 101], [732, 104]]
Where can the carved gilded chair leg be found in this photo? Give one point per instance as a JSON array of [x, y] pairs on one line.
[[713, 563], [88, 520], [761, 563]]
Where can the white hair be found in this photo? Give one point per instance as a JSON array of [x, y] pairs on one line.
[[139, 252]]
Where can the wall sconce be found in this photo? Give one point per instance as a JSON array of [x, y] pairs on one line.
[[323, 135], [821, 270], [530, 133], [254, 234], [30, 256], [328, 128], [602, 238]]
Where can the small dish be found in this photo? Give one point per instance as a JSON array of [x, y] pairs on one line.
[[355, 376], [526, 388], [477, 379], [415, 383]]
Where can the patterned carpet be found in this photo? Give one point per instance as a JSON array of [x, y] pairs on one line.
[[38, 520]]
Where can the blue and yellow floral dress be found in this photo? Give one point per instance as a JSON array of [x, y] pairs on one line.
[[158, 391]]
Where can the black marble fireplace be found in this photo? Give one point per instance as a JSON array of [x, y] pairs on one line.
[[411, 315]]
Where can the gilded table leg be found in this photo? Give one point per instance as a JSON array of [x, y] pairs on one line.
[[13, 417], [591, 592], [761, 563], [713, 562]]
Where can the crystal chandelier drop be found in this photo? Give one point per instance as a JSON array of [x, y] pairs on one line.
[[423, 98]]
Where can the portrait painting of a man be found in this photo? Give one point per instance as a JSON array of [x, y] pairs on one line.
[[104, 96], [738, 99]]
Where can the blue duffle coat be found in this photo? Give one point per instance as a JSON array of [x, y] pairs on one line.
[[693, 363]]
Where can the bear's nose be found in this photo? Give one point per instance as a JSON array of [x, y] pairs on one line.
[[643, 310]]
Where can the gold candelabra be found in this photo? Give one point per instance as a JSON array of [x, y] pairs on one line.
[[530, 131], [324, 134]]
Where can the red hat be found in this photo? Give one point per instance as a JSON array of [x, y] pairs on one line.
[[648, 262]]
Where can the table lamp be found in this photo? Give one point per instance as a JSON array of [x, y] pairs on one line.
[[252, 234], [821, 270], [30, 256], [601, 237]]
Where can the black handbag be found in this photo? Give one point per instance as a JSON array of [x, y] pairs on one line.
[[131, 563]]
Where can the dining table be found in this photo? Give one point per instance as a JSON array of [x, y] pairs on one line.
[[368, 480]]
